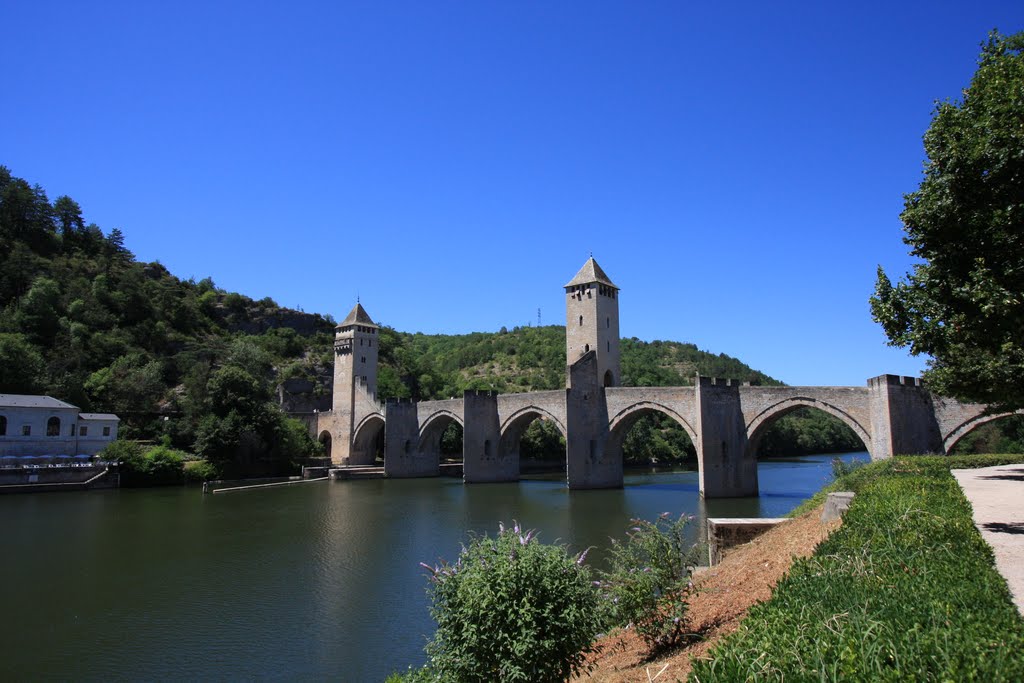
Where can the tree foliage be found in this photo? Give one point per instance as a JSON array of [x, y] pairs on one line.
[[964, 304]]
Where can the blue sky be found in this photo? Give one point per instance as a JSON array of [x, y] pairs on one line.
[[737, 168]]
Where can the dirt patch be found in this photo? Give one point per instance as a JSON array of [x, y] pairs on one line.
[[746, 576]]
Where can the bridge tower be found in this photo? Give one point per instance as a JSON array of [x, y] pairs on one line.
[[355, 378], [592, 321]]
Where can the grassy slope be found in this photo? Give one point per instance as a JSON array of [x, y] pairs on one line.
[[906, 589]]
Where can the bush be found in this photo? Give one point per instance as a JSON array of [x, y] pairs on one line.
[[164, 464], [158, 465], [200, 471], [512, 609], [648, 583], [129, 453], [841, 469]]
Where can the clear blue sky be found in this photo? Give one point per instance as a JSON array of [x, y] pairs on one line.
[[736, 168]]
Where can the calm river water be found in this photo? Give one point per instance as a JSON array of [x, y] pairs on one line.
[[311, 581]]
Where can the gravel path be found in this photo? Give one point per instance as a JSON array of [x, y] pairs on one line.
[[997, 496]]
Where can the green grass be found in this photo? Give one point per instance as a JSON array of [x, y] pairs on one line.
[[905, 590]]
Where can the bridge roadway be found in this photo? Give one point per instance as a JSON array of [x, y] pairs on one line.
[[724, 419]]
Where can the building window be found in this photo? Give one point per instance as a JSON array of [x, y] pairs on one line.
[[586, 348], [3, 425], [362, 359], [53, 426], [581, 320], [106, 431], [83, 431], [26, 430], [608, 322], [609, 346]]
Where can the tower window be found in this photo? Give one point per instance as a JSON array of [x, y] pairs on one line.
[[3, 425], [586, 348], [362, 359], [609, 347], [607, 322], [581, 320]]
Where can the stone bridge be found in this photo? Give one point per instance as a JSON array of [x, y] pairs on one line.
[[724, 419]]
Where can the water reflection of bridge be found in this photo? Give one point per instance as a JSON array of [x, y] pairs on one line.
[[724, 419]]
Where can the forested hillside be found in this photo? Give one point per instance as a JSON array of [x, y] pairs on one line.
[[83, 321], [531, 359]]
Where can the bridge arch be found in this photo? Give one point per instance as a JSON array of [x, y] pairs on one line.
[[367, 440], [432, 430], [950, 440], [757, 427], [325, 440], [515, 426], [623, 421]]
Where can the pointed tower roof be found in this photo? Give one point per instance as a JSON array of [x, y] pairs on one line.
[[591, 272], [357, 316]]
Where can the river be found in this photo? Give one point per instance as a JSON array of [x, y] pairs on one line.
[[312, 581]]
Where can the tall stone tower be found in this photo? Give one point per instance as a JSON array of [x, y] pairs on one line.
[[355, 358], [592, 321]]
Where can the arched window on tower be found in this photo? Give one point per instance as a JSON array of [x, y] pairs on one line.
[[53, 426]]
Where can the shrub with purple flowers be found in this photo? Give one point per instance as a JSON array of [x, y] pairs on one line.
[[512, 609], [648, 581]]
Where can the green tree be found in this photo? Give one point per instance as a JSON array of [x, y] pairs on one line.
[[21, 365], [964, 305], [38, 313], [68, 215], [129, 384]]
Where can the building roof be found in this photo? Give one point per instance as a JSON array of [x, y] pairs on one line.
[[26, 401], [357, 316], [591, 272], [98, 416]]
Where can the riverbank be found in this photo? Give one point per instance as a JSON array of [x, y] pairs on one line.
[[724, 594], [907, 566]]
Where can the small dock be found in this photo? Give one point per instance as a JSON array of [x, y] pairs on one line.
[[356, 472]]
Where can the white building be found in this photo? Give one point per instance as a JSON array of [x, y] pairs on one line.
[[41, 425]]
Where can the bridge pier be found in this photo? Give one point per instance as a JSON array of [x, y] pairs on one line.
[[482, 460], [588, 464], [402, 456], [903, 420], [726, 469]]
